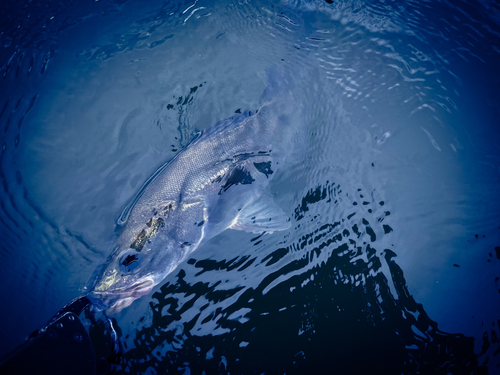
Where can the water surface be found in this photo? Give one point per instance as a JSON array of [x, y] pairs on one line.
[[391, 264]]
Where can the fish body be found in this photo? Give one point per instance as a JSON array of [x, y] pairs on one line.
[[217, 182]]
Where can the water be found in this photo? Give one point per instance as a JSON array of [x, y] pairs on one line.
[[392, 261]]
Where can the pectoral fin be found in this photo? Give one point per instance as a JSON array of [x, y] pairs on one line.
[[261, 216]]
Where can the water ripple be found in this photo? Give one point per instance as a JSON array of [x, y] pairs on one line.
[[331, 277], [394, 153]]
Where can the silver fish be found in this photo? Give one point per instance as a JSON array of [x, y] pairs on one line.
[[217, 182]]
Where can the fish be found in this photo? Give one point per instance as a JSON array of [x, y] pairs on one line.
[[219, 181]]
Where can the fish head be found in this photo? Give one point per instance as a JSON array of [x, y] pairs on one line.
[[122, 280], [146, 252], [130, 274]]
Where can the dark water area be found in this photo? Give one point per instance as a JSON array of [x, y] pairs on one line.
[[338, 316], [391, 264]]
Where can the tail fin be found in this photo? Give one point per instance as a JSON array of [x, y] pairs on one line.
[[277, 84]]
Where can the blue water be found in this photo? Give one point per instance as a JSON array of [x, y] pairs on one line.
[[392, 262]]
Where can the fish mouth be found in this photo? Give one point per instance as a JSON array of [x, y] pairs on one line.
[[144, 287], [115, 300], [136, 290]]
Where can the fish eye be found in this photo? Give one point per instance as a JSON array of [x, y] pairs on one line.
[[130, 260]]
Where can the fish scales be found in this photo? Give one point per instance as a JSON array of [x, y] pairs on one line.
[[217, 182]]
